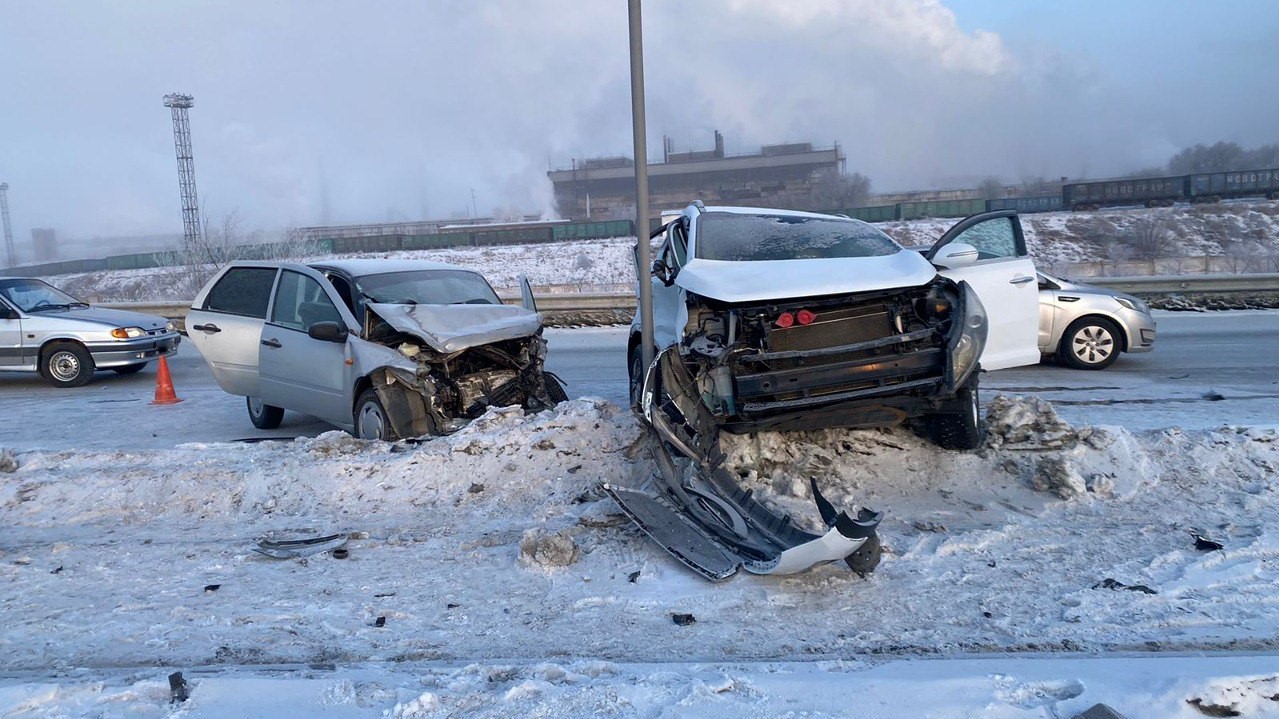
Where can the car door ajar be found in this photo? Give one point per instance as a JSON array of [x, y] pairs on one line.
[[670, 312], [225, 325], [300, 372], [1004, 278], [10, 337]]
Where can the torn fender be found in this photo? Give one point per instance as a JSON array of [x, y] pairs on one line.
[[452, 328], [700, 513]]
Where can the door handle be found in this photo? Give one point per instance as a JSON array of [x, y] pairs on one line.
[[210, 328], [1020, 280], [273, 343]]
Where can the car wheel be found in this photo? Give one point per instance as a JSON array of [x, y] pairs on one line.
[[635, 373], [1090, 343], [370, 418], [961, 427], [554, 390], [66, 364], [263, 416], [130, 368]]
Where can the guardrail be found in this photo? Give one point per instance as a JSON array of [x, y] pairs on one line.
[[617, 302]]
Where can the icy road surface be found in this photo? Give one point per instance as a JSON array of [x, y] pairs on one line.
[[1197, 355]]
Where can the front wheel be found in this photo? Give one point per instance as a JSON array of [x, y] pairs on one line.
[[67, 364], [1090, 343], [263, 416], [635, 372], [370, 418], [961, 428]]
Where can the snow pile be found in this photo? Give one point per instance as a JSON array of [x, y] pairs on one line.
[[109, 555]]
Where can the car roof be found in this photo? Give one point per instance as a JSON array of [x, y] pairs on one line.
[[362, 267], [769, 211]]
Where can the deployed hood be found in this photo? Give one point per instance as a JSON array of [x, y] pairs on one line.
[[451, 328], [769, 280], [105, 316]]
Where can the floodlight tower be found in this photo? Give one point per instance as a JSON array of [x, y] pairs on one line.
[[10, 256], [179, 104]]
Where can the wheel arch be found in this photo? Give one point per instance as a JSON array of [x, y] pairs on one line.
[[1123, 331]]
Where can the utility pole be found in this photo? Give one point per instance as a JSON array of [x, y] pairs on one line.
[[475, 210], [179, 104], [641, 183], [11, 256]]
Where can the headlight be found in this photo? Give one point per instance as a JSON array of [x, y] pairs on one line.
[[1134, 304], [170, 327], [966, 346], [124, 333]]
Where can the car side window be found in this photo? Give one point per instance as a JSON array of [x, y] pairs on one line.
[[300, 302], [679, 243], [242, 291], [993, 238]]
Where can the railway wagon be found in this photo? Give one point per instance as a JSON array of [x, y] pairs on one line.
[[940, 208], [1213, 186], [876, 213], [1026, 205], [1148, 191]]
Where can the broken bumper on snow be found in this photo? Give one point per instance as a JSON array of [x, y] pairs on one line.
[[698, 512]]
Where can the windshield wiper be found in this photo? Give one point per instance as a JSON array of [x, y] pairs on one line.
[[50, 306]]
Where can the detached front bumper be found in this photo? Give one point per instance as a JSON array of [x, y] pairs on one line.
[[129, 352]]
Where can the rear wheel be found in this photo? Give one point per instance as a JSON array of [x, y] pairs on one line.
[[263, 416], [1090, 343], [370, 418], [130, 368], [66, 364], [961, 427]]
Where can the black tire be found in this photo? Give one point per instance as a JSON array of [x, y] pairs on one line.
[[370, 418], [554, 390], [66, 364], [1090, 343], [635, 375], [866, 558], [263, 416], [130, 368], [961, 427]]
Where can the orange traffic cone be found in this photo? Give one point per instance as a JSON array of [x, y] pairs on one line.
[[164, 393]]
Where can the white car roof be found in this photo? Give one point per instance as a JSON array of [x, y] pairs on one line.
[[362, 267], [768, 211]]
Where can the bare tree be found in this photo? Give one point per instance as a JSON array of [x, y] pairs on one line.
[[1117, 253], [834, 191], [990, 189], [198, 259], [1150, 239]]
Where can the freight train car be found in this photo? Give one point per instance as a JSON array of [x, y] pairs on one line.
[[1214, 186], [1026, 205]]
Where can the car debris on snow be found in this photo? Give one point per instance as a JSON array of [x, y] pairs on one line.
[[1109, 583], [295, 548], [1204, 544]]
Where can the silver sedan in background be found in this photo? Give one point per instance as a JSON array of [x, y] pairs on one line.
[[1086, 327], [45, 330]]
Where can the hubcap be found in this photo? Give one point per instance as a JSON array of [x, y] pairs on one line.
[[255, 406], [1093, 344], [370, 421], [64, 366]]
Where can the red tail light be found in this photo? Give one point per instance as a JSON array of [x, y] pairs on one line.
[[805, 317], [785, 320]]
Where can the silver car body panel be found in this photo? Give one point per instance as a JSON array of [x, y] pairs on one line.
[[1072, 300], [453, 328], [22, 339]]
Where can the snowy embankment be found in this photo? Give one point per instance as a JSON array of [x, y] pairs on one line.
[[1055, 240]]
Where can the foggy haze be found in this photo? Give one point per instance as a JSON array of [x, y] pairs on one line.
[[342, 112]]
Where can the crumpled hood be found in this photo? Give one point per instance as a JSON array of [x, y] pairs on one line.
[[769, 280], [107, 316], [451, 328]]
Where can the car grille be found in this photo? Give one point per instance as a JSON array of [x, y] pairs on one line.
[[833, 328]]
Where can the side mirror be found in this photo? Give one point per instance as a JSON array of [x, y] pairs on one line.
[[9, 313], [526, 295], [663, 272], [328, 332], [955, 255]]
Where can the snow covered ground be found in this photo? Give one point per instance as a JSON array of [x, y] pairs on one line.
[[121, 566]]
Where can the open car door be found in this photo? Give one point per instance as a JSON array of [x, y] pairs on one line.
[[225, 324], [989, 253]]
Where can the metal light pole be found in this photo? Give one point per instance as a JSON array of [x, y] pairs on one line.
[[641, 183]]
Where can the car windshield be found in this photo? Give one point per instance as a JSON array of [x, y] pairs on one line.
[[742, 238], [427, 287], [36, 296]]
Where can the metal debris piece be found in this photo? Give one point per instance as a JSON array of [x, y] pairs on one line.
[[1109, 583], [294, 548], [683, 620], [178, 691], [1204, 544]]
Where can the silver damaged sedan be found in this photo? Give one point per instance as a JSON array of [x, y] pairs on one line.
[[1086, 327], [45, 330]]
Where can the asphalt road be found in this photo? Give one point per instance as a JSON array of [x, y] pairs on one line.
[[1208, 370]]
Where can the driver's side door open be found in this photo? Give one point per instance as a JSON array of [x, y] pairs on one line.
[[1004, 278]]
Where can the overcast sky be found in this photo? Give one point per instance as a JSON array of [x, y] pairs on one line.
[[395, 110]]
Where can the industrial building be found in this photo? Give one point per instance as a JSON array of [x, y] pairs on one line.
[[777, 176]]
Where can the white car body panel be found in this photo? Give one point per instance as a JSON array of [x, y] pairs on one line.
[[760, 281], [1009, 292]]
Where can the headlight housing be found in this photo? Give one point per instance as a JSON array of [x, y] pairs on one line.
[[1134, 304], [967, 344], [128, 333], [170, 326]]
